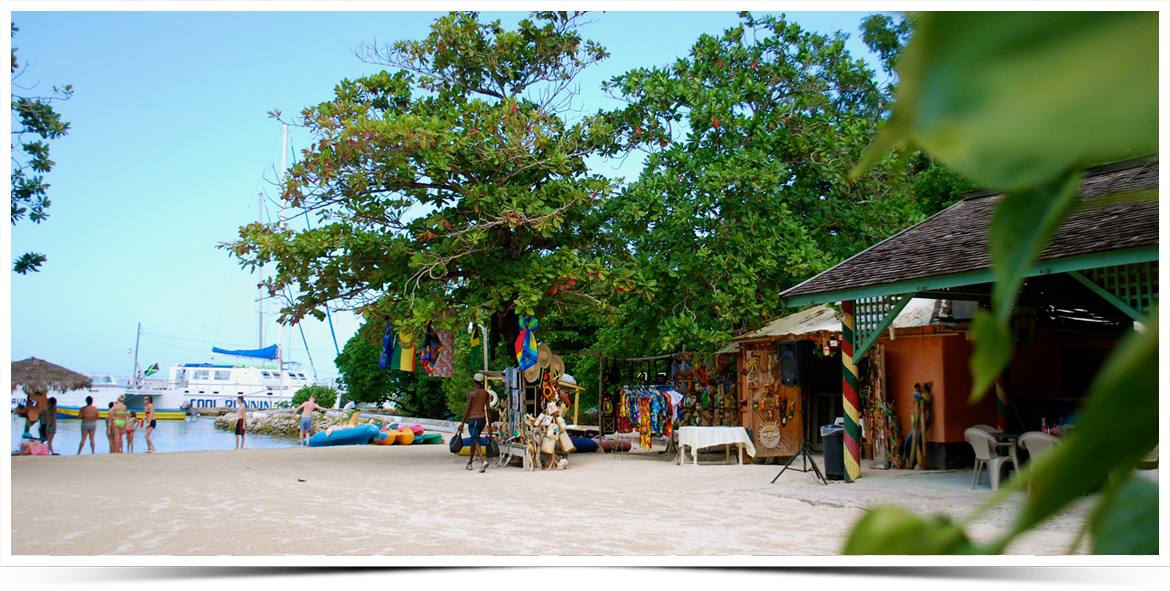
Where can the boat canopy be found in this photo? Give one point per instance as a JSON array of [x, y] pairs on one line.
[[268, 352]]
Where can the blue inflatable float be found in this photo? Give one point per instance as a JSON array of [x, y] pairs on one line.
[[360, 435]]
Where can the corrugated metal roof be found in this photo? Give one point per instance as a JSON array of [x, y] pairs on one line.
[[919, 312]]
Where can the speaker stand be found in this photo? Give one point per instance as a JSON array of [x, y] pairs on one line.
[[805, 454]]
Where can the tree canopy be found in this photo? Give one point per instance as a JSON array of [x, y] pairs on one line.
[[35, 122], [453, 188], [745, 190]]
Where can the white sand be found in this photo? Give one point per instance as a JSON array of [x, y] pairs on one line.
[[418, 500]]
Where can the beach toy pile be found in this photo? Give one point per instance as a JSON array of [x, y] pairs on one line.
[[407, 435]]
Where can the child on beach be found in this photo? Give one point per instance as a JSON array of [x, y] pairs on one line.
[[132, 426]]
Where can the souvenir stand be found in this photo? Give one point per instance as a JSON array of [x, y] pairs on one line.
[[534, 417], [654, 396]]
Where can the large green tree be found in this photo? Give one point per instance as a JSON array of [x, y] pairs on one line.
[[35, 122], [452, 186], [745, 191]]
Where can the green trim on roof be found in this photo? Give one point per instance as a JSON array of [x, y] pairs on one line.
[[1112, 299], [1125, 256], [876, 332]]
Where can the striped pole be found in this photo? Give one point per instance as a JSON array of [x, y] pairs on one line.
[[849, 393]]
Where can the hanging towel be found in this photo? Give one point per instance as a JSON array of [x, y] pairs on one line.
[[474, 349], [526, 343], [387, 346], [402, 356]]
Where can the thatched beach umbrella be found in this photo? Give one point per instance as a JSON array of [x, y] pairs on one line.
[[37, 376]]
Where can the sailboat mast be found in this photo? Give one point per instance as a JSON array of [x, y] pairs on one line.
[[260, 286], [137, 340], [283, 174]]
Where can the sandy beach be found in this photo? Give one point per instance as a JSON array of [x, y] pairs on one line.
[[418, 500]]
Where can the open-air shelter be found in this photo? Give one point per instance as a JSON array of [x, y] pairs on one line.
[[1097, 276]]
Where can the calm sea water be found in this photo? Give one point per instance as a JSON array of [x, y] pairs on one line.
[[192, 434]]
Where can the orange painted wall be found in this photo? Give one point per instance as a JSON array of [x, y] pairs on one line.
[[942, 360]]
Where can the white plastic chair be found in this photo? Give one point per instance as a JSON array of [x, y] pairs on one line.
[[985, 428], [985, 455], [1036, 443]]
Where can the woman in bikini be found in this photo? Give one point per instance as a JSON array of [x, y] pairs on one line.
[[119, 422]]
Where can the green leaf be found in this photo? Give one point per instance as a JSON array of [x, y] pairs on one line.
[[1128, 522], [1022, 224], [1011, 99], [993, 350], [893, 530], [1116, 427]]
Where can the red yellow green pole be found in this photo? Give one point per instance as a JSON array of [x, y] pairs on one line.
[[851, 401]]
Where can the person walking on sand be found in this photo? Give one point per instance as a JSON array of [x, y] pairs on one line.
[[118, 411], [49, 424], [306, 429], [241, 421], [89, 417], [476, 415], [131, 426], [149, 422]]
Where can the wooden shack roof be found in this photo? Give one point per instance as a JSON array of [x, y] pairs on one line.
[[949, 249]]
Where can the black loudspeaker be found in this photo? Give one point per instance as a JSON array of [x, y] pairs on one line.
[[796, 362]]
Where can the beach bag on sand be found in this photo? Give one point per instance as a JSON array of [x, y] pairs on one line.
[[456, 443], [493, 448]]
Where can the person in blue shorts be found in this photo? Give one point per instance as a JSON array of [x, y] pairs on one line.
[[476, 415], [307, 419]]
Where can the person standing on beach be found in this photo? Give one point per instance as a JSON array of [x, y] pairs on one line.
[[241, 422], [476, 416], [118, 412], [49, 424], [132, 425], [150, 423], [307, 419], [110, 426], [89, 417]]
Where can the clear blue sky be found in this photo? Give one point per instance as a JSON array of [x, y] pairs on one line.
[[170, 146]]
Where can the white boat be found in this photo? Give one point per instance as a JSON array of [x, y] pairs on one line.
[[208, 385], [106, 389]]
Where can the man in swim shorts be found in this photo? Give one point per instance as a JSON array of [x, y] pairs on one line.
[[89, 418], [49, 424], [306, 429], [150, 423], [476, 415], [240, 421]]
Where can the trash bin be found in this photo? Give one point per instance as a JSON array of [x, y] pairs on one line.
[[834, 439]]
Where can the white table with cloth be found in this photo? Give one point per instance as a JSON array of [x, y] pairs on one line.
[[699, 437]]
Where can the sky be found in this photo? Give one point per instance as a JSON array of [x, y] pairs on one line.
[[171, 145]]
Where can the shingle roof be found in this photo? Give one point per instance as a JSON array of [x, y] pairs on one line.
[[955, 240]]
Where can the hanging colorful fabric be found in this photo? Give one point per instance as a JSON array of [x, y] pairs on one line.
[[397, 349], [444, 364], [475, 338], [387, 345], [430, 352], [526, 353]]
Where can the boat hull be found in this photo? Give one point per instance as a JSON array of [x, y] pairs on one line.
[[169, 414]]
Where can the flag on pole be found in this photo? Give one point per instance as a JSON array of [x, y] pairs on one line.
[[153, 369]]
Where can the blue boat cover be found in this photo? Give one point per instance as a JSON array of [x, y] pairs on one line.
[[268, 352]]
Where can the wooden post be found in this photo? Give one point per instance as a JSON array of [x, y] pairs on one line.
[[850, 404]]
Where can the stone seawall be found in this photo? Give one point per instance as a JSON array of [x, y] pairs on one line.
[[278, 422]]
